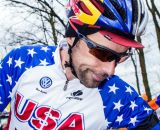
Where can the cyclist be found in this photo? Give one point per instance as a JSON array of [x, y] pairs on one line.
[[73, 86]]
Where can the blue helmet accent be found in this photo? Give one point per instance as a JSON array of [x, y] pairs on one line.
[[127, 16], [119, 23]]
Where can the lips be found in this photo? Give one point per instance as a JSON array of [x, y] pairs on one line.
[[98, 77]]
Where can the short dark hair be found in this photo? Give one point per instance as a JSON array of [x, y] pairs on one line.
[[83, 29]]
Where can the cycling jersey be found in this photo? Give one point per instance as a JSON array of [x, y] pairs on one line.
[[33, 81]]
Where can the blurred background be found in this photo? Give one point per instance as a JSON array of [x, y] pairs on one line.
[[28, 22]]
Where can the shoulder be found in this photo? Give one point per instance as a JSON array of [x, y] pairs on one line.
[[116, 83], [31, 53], [117, 89], [20, 59], [30, 50], [120, 100]]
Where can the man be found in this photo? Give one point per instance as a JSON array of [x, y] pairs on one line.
[[73, 86]]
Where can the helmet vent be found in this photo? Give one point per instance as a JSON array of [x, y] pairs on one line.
[[83, 7], [107, 13], [119, 9], [135, 10], [98, 4]]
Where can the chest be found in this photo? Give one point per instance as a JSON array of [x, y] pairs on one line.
[[40, 101]]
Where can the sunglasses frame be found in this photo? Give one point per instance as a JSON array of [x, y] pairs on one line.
[[91, 44]]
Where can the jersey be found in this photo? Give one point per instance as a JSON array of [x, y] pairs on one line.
[[33, 81]]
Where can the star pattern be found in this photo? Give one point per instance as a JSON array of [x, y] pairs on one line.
[[133, 120], [53, 53], [1, 101], [9, 79], [128, 89], [118, 105], [119, 118], [29, 68], [107, 123], [19, 62], [10, 94], [116, 95], [43, 62], [0, 66], [133, 105], [31, 52], [9, 61], [147, 109], [45, 48], [113, 89], [121, 100]]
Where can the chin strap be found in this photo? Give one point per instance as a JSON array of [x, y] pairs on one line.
[[69, 64]]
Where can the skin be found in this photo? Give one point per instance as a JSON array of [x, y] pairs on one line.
[[90, 70]]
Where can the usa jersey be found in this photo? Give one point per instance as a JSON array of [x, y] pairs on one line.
[[33, 81]]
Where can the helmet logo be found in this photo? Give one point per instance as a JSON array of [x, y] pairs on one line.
[[108, 37]]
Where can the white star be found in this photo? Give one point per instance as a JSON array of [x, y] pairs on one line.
[[9, 61], [53, 53], [29, 68], [107, 122], [43, 62], [118, 105], [147, 109], [19, 63], [100, 90], [133, 105], [1, 101], [119, 118], [128, 89], [10, 95], [133, 120], [113, 89], [9, 79], [104, 107], [0, 66], [31, 52], [45, 49], [0, 85]]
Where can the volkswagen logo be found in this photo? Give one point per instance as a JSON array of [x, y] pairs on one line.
[[45, 82]]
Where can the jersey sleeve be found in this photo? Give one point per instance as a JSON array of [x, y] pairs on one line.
[[16, 63], [123, 107], [7, 79]]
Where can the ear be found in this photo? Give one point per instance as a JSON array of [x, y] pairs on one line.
[[70, 40]]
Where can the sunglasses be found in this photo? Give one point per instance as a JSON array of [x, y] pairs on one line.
[[101, 52]]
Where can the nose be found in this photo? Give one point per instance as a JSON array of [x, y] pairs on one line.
[[108, 68]]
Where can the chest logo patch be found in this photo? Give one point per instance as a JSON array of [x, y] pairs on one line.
[[45, 82]]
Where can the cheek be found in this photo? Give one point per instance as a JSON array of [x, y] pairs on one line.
[[83, 59]]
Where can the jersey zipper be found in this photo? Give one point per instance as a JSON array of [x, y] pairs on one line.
[[66, 85]]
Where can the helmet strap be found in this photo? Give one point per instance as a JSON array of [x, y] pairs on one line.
[[70, 64]]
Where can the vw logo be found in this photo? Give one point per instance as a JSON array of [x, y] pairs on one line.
[[45, 82]]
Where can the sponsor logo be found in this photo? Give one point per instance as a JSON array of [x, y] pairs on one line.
[[75, 95], [41, 91], [45, 82], [44, 117]]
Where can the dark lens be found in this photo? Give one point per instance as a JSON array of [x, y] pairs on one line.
[[103, 55]]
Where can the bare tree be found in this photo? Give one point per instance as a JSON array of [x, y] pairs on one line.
[[136, 74], [156, 17], [50, 23], [144, 71]]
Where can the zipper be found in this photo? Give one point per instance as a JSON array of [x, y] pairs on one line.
[[66, 85]]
